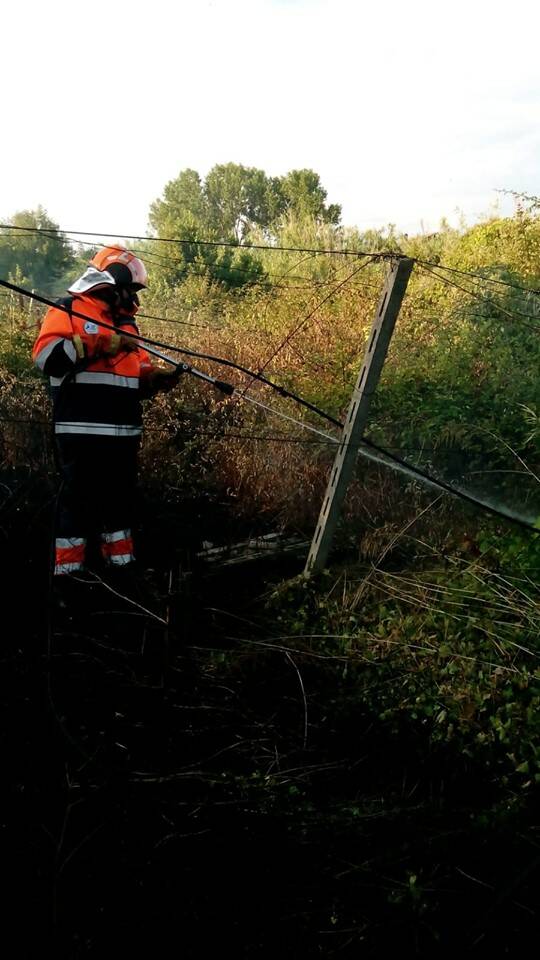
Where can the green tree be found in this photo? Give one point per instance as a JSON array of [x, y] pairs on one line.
[[232, 204], [223, 208], [238, 198], [305, 198], [182, 208], [39, 254]]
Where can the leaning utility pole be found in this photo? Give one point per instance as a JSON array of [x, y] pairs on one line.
[[377, 348]]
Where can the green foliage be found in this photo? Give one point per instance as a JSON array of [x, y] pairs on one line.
[[460, 390], [453, 654], [304, 198], [234, 204], [431, 653], [506, 248], [34, 258]]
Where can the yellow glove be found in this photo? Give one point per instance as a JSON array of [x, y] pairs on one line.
[[118, 342]]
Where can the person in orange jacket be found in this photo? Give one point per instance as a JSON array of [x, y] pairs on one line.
[[98, 378]]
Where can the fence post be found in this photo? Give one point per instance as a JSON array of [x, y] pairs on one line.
[[368, 378]]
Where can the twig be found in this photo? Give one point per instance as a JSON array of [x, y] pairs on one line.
[[133, 603], [363, 587], [290, 659]]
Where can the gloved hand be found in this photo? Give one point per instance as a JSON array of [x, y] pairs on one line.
[[104, 345], [118, 342], [165, 378], [127, 343]]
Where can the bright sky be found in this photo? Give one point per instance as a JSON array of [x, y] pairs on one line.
[[408, 109]]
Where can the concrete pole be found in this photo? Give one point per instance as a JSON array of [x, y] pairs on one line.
[[368, 378]]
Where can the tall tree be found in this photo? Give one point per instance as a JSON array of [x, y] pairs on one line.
[[227, 206], [233, 199], [218, 209], [238, 198], [40, 255], [305, 198], [183, 207]]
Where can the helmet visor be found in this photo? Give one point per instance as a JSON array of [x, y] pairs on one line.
[[138, 273]]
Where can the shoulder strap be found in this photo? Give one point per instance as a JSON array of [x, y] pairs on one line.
[[67, 303]]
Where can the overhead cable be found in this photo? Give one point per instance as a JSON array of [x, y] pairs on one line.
[[166, 346], [477, 276], [391, 254], [304, 320], [515, 315], [203, 243], [388, 458]]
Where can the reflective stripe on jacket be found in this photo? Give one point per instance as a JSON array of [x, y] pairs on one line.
[[96, 388]]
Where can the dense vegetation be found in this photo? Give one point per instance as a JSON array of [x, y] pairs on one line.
[[425, 629]]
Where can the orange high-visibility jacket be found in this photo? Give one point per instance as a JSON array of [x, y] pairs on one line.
[[96, 387]]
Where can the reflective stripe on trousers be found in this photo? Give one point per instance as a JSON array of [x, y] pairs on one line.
[[117, 547], [69, 554]]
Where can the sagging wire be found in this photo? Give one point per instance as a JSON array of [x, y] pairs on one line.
[[403, 466], [202, 243], [317, 367], [317, 307], [383, 457], [374, 451], [53, 233], [327, 439], [477, 276], [284, 416], [184, 323], [182, 350], [514, 315], [215, 271]]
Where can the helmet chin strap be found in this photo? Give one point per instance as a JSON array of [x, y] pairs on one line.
[[128, 303], [120, 300], [127, 298]]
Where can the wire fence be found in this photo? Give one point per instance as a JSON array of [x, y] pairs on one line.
[[478, 290]]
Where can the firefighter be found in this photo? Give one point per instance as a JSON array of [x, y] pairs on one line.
[[98, 378]]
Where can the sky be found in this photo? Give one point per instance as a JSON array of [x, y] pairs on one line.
[[409, 111]]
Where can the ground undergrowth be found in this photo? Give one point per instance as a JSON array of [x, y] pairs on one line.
[[186, 781]]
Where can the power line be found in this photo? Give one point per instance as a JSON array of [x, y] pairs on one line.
[[167, 346], [477, 276], [298, 423], [325, 440], [383, 457], [303, 322], [309, 364], [185, 323], [203, 243], [391, 254], [223, 272], [216, 359], [416, 472], [448, 487], [514, 315], [157, 259], [199, 268]]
